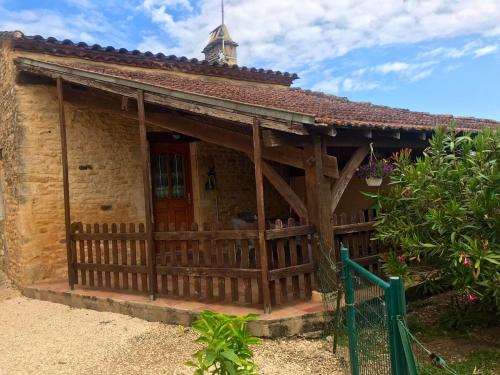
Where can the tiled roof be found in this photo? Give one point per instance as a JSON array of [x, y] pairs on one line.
[[137, 58], [327, 109]]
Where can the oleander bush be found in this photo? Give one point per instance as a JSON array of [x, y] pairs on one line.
[[443, 210]]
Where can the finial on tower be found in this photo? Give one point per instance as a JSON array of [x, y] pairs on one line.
[[222, 10], [221, 48]]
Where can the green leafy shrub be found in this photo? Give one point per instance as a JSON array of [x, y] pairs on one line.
[[227, 345], [443, 210]]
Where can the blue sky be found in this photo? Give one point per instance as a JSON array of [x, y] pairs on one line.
[[439, 56]]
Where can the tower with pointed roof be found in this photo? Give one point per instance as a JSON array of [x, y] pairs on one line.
[[221, 48]]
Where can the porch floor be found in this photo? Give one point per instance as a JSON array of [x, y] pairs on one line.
[[289, 320]]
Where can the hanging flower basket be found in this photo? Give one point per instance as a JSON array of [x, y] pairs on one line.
[[374, 181], [375, 170]]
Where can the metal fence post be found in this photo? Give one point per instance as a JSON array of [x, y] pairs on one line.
[[351, 313], [396, 307]]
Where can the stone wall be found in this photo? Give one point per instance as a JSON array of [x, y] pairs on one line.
[[10, 163], [104, 171], [235, 191]]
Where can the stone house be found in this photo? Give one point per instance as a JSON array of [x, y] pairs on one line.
[[92, 134]]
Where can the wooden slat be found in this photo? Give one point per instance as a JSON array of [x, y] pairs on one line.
[[108, 236], [133, 258], [124, 255], [196, 280], [81, 245], [90, 255], [301, 230], [206, 235], [161, 247], [353, 228], [98, 254], [105, 245], [184, 262], [114, 247], [74, 256], [173, 261], [220, 272], [143, 257], [117, 268], [281, 273]]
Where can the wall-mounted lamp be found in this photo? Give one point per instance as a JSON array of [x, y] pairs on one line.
[[211, 183]]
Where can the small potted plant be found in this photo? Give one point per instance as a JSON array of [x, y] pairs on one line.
[[374, 171]]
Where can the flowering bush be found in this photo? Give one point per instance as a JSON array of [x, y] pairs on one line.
[[443, 210], [375, 168]]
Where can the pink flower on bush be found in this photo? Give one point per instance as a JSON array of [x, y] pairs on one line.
[[467, 262], [401, 258], [471, 298]]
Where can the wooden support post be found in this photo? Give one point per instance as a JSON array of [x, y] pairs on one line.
[[259, 188], [146, 178], [346, 175], [64, 157], [318, 190]]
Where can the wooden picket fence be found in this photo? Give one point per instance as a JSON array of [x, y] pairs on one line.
[[355, 230], [110, 256], [207, 264]]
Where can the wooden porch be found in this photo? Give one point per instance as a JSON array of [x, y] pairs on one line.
[[207, 265], [271, 264]]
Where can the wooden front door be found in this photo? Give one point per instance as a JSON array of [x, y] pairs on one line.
[[172, 187]]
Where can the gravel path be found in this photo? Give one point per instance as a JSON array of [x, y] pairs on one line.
[[38, 337]]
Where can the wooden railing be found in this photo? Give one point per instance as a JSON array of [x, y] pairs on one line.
[[207, 265], [110, 256], [355, 230], [291, 252]]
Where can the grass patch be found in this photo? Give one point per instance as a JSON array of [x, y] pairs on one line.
[[485, 362]]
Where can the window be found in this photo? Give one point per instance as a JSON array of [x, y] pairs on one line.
[[168, 172]]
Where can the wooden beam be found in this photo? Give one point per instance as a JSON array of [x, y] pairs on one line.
[[261, 218], [324, 188], [67, 208], [271, 139], [288, 155], [285, 190], [342, 141], [346, 175], [146, 180], [272, 118]]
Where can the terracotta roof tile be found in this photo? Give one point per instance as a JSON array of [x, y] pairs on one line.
[[327, 109], [147, 59]]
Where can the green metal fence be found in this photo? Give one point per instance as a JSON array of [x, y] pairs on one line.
[[373, 309]]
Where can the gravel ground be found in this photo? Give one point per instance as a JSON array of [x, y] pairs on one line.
[[38, 337]]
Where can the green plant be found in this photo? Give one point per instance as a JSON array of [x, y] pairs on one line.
[[443, 210], [227, 345], [395, 265]]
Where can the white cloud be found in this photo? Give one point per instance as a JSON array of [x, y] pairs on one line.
[[289, 34], [487, 50], [396, 66]]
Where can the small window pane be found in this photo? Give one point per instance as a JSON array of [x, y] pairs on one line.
[[177, 170], [161, 177]]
